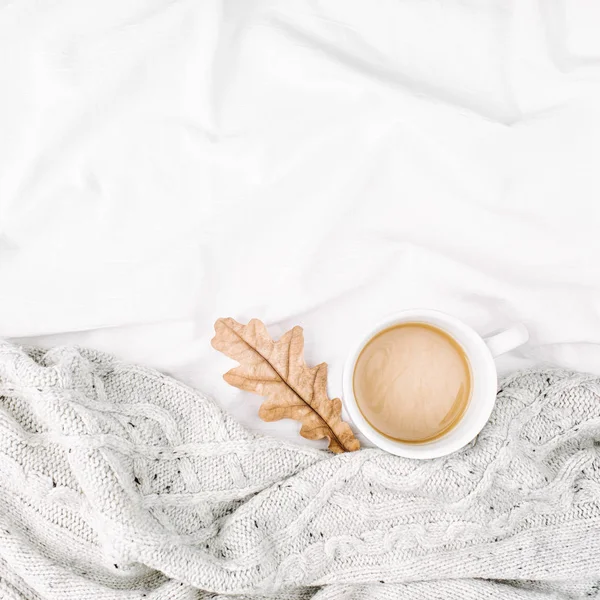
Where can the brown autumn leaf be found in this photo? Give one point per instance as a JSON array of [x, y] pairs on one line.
[[277, 371]]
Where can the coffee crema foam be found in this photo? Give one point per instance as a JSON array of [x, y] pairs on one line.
[[412, 382]]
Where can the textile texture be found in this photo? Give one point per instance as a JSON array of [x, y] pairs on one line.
[[118, 482]]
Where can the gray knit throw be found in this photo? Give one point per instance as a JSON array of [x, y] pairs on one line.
[[118, 482]]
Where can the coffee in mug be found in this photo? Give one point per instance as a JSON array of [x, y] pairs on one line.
[[412, 382], [422, 383]]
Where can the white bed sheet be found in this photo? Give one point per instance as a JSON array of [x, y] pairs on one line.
[[323, 163]]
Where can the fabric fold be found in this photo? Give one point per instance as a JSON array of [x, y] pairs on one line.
[[120, 482]]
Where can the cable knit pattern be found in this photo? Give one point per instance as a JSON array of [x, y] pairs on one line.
[[118, 482]]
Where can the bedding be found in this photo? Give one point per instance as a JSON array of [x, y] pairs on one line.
[[322, 163], [120, 483]]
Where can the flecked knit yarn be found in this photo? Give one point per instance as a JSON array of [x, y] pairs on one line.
[[117, 482]]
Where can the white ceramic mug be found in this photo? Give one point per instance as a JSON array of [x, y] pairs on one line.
[[480, 353]]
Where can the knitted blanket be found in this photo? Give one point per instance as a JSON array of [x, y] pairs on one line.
[[118, 482]]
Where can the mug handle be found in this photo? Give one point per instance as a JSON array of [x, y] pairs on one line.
[[507, 340]]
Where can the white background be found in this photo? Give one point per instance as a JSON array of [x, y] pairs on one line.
[[322, 163]]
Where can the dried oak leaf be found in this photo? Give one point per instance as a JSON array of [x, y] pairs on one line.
[[277, 371]]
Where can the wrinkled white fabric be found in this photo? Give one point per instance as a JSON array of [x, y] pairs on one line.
[[119, 483], [167, 162]]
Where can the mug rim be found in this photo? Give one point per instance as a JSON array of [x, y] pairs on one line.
[[440, 446]]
